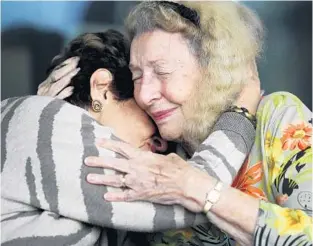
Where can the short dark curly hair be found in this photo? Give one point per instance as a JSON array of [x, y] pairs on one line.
[[109, 50]]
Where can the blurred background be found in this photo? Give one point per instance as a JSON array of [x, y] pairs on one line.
[[32, 33]]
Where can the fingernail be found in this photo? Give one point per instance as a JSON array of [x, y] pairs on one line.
[[107, 196], [89, 161], [91, 178], [76, 71], [100, 141]]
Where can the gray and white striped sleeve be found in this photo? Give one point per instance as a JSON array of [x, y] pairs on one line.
[[44, 142], [222, 154]]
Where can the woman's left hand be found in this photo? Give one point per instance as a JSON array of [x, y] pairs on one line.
[[57, 83], [165, 179]]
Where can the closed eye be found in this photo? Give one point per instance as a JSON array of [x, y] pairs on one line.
[[162, 73], [137, 79]]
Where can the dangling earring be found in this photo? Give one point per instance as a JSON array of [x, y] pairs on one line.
[[96, 106]]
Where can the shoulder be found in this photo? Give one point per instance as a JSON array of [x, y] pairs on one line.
[[282, 106], [34, 100], [280, 99], [30, 105], [284, 117]]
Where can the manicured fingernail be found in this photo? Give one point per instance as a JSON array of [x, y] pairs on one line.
[[91, 178], [89, 161], [107, 196]]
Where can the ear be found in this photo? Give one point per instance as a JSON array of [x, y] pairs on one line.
[[100, 82]]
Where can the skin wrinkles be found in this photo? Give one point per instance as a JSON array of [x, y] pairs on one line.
[[162, 80]]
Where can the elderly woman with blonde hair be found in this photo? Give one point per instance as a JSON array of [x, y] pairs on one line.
[[189, 62]]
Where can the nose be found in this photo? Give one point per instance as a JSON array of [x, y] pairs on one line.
[[148, 91]]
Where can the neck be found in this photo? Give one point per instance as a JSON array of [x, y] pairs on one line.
[[122, 117]]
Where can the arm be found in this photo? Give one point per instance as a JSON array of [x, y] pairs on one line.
[[39, 228], [32, 212], [222, 154], [43, 152], [238, 139], [289, 176], [289, 154], [170, 180]]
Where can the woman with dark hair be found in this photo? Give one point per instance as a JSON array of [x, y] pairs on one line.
[[45, 196]]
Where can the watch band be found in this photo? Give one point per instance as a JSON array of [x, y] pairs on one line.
[[212, 196]]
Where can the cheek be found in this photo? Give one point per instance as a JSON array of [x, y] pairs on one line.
[[146, 125], [178, 90], [137, 96]]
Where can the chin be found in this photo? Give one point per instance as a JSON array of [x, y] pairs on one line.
[[170, 133]]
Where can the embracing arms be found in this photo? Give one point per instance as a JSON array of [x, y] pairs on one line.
[[283, 172], [49, 174]]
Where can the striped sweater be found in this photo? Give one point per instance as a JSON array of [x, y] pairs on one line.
[[44, 194]]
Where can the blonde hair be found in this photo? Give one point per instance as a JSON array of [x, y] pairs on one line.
[[226, 37]]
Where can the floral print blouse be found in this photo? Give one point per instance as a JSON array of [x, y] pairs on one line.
[[278, 171]]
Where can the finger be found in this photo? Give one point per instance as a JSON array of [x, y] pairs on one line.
[[58, 73], [43, 84], [109, 180], [120, 165], [67, 61], [119, 147], [123, 196], [62, 83], [40, 91], [68, 91]]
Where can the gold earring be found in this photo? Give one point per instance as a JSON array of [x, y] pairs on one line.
[[96, 106]]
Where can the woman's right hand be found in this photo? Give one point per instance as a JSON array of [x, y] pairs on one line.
[[56, 85]]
